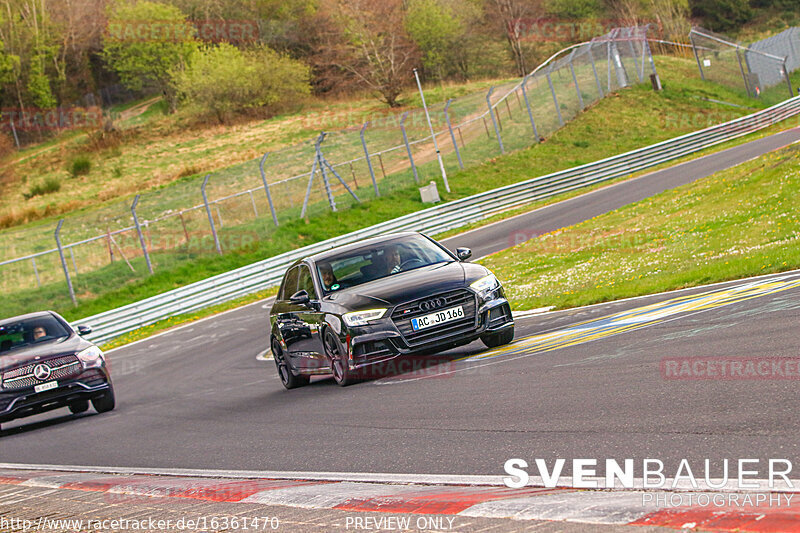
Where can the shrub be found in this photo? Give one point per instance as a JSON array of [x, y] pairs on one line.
[[722, 15], [79, 166], [40, 189], [223, 79]]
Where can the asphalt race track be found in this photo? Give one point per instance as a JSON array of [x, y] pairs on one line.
[[588, 383]]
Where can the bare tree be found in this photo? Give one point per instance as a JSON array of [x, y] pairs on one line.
[[372, 45], [515, 16]]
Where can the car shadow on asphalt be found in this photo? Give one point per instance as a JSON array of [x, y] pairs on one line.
[[40, 424]]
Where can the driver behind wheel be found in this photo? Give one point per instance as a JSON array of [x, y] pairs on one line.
[[39, 332], [391, 257], [327, 276]]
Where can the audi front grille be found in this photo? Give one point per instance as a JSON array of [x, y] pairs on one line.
[[403, 314]]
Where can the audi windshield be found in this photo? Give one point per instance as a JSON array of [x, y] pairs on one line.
[[373, 262]]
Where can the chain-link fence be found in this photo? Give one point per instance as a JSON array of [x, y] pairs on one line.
[[754, 68], [231, 208]]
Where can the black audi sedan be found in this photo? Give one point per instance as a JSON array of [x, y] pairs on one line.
[[46, 364], [340, 311]]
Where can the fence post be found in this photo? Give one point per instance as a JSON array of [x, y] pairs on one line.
[[253, 203], [408, 146], [326, 183], [553, 92], [653, 69], [696, 56], [575, 78], [494, 120], [139, 233], [266, 188], [594, 69], [369, 161], [528, 106], [64, 262], [14, 131], [74, 264], [308, 189], [325, 163], [744, 76], [608, 65], [788, 81], [452, 135], [644, 55], [210, 216], [635, 63], [36, 273]]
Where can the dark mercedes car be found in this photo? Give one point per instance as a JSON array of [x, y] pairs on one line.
[[340, 311], [46, 364]]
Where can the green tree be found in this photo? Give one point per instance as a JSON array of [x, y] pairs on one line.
[[721, 15], [39, 89], [575, 9], [223, 79], [9, 65], [145, 42], [436, 29]]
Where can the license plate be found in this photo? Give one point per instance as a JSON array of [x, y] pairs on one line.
[[46, 386], [439, 317]]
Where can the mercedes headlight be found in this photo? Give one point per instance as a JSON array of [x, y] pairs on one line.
[[91, 357], [485, 286], [360, 318]]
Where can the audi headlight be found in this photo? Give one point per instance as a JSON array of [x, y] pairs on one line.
[[360, 318], [91, 357], [485, 285]]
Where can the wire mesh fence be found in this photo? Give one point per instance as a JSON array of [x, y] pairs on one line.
[[764, 64], [244, 203]]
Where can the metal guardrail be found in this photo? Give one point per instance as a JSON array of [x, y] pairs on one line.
[[267, 273]]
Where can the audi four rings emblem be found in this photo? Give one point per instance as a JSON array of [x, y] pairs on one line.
[[430, 305], [41, 372]]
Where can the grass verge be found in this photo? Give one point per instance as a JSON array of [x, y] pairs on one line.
[[737, 223]]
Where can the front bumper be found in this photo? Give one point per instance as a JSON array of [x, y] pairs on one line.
[[383, 340], [90, 384]]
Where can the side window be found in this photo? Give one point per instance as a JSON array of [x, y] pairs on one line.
[[289, 286], [306, 283]]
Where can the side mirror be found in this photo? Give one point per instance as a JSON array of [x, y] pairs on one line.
[[299, 298], [463, 253], [84, 330]]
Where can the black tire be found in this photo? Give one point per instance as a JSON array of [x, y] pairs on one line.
[[287, 377], [79, 407], [342, 374], [498, 339], [106, 402]]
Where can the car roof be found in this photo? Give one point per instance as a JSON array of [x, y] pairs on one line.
[[37, 314], [321, 256]]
